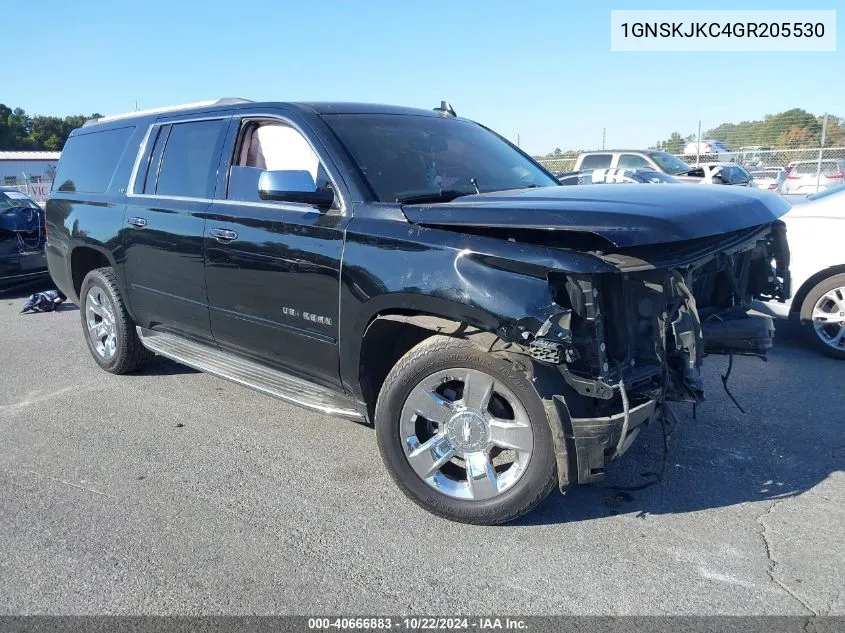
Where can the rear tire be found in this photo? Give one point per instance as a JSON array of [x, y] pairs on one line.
[[824, 308], [482, 452], [109, 330]]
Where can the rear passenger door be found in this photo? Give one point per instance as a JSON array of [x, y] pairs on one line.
[[273, 268], [171, 189]]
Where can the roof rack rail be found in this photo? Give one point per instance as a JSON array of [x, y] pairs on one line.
[[183, 106]]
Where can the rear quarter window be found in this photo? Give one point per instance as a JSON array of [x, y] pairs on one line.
[[88, 161]]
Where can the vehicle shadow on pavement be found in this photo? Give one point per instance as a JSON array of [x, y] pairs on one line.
[[791, 438]]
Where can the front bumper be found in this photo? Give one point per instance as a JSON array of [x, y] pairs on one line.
[[596, 438]]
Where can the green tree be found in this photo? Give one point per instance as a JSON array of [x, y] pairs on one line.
[[19, 131]]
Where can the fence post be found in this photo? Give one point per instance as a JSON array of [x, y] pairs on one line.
[[821, 152], [698, 145]]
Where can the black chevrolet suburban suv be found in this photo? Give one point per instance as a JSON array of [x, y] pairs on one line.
[[412, 270]]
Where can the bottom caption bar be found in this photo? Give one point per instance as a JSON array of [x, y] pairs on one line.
[[365, 624]]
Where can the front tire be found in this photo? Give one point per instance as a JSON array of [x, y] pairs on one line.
[[464, 434], [108, 328], [824, 307]]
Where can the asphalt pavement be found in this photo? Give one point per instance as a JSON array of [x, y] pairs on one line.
[[174, 492]]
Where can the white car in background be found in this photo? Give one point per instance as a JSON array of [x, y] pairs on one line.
[[814, 228], [771, 178], [804, 176], [706, 146]]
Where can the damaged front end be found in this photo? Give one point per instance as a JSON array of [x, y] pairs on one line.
[[22, 240], [630, 341]]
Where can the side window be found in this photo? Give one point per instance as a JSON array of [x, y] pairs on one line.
[[89, 161], [596, 161], [189, 159], [270, 146], [145, 179], [632, 161]]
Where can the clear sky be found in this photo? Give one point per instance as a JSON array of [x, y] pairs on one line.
[[540, 70]]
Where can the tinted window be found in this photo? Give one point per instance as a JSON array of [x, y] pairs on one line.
[[406, 156], [189, 163], [145, 179], [632, 161], [89, 161], [596, 161]]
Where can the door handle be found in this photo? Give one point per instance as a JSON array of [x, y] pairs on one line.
[[138, 223], [223, 235]]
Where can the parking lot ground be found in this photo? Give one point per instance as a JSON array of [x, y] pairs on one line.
[[177, 492]]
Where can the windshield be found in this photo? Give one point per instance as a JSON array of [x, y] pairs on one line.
[[13, 199], [411, 158], [669, 163]]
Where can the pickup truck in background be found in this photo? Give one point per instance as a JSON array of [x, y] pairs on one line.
[[412, 270]]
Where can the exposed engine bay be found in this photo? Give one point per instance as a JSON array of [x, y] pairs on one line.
[[632, 341]]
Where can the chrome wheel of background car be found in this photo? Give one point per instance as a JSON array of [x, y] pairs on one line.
[[829, 318], [99, 316], [466, 434]]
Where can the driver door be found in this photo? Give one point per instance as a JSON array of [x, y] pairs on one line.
[[273, 268]]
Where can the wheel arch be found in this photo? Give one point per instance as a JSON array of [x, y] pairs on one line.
[[84, 259], [805, 313], [406, 328], [403, 328]]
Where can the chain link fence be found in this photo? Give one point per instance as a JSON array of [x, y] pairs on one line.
[[776, 141], [756, 158]]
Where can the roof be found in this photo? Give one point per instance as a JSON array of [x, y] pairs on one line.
[[631, 151], [319, 108], [30, 155], [342, 107], [184, 106]]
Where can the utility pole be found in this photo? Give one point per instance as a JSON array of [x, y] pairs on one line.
[[698, 145], [821, 152], [517, 140]]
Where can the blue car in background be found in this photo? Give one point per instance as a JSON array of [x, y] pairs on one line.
[[22, 239]]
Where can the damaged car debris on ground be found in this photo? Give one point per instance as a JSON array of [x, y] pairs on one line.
[[503, 334]]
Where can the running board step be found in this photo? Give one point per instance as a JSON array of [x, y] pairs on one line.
[[250, 374]]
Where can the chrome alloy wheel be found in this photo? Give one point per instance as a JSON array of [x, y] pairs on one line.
[[466, 434], [99, 317], [829, 318]]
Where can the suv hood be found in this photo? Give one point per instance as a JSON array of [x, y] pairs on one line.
[[625, 215]]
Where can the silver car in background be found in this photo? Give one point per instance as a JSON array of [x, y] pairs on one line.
[[801, 176], [771, 178]]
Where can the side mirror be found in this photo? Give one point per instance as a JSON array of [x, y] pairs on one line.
[[293, 185]]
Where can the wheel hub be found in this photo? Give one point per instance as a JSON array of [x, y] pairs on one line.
[[468, 431]]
